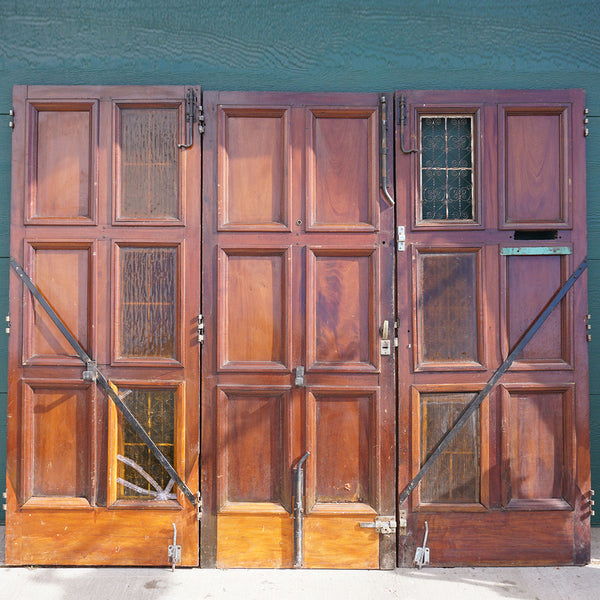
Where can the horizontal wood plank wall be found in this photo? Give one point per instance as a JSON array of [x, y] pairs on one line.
[[321, 47]]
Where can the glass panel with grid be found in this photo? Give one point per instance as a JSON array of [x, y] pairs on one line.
[[454, 478], [446, 168], [155, 411]]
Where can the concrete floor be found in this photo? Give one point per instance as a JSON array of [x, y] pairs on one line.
[[535, 583]]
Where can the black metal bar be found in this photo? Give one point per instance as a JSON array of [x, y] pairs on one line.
[[104, 383], [476, 402], [299, 512]]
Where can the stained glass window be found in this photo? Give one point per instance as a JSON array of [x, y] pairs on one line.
[[447, 168]]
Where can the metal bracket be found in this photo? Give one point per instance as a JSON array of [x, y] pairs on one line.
[[299, 380], [10, 113], [383, 525], [201, 329], [174, 550], [401, 238], [198, 506], [91, 371], [422, 553], [7, 328]]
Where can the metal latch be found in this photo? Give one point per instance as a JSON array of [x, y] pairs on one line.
[[299, 380], [384, 525], [174, 550], [422, 553], [385, 344], [401, 238]]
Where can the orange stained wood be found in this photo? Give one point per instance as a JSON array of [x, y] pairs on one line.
[[298, 247]]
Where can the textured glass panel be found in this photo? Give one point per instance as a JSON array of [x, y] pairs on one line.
[[446, 169], [149, 163], [148, 302], [455, 476], [155, 411], [448, 307]]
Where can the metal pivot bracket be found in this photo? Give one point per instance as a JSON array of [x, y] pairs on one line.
[[174, 550], [91, 371], [383, 525], [422, 553]]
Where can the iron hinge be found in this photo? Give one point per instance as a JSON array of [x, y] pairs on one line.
[[198, 506], [384, 525], [7, 328], [201, 329], [588, 327], [401, 238], [586, 120], [11, 114], [4, 503]]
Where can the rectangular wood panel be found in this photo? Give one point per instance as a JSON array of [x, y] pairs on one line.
[[537, 447], [341, 159], [534, 166], [254, 315], [254, 170], [64, 274], [62, 153], [341, 288]]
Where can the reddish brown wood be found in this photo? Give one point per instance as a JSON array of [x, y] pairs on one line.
[[535, 450]]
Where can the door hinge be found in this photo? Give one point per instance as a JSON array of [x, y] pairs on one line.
[[4, 503], [7, 328], [401, 238], [201, 329], [588, 327], [11, 114], [586, 120], [386, 525], [198, 506]]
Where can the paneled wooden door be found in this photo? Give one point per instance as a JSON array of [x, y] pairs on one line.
[[298, 280], [491, 188], [106, 220]]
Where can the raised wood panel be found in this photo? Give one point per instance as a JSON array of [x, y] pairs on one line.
[[342, 286], [343, 468], [253, 440], [341, 169], [448, 315], [252, 541], [534, 167], [530, 284], [55, 446], [255, 171], [537, 450], [254, 309], [62, 149], [64, 274]]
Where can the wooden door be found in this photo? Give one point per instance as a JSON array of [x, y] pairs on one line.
[[491, 188], [105, 218], [298, 250]]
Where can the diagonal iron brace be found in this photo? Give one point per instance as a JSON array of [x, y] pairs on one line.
[[103, 382], [481, 396]]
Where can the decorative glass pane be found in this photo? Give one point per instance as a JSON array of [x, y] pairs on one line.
[[140, 475], [454, 478], [148, 302], [448, 307], [149, 166], [446, 169]]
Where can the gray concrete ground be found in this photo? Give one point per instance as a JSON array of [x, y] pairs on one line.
[[548, 583]]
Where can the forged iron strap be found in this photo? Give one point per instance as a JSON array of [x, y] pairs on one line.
[[103, 382], [476, 402]]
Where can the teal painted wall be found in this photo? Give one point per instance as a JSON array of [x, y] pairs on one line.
[[341, 45]]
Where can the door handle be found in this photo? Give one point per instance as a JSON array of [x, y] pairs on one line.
[[299, 381]]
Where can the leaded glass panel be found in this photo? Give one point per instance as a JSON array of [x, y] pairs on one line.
[[447, 168]]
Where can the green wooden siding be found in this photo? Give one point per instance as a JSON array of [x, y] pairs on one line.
[[336, 45]]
